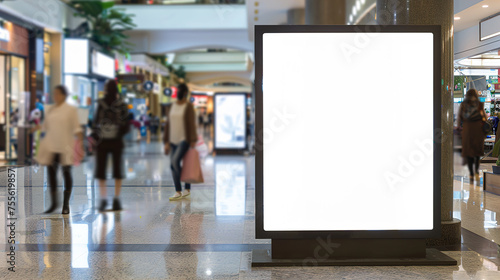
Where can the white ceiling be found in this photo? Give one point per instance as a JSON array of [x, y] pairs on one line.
[[473, 15]]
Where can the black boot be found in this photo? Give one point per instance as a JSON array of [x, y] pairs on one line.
[[116, 204], [53, 206], [103, 205], [65, 209]]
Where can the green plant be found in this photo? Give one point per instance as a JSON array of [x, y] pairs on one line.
[[107, 24], [498, 162]]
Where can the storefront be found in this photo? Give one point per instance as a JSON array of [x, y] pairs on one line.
[[14, 87], [86, 70]]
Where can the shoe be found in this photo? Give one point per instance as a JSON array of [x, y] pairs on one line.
[[186, 193], [53, 206], [103, 205], [65, 209], [176, 196], [117, 205], [477, 178], [471, 181]]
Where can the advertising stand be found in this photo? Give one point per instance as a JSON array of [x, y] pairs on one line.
[[316, 203], [230, 123]]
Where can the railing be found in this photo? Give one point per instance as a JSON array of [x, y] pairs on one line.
[[178, 2]]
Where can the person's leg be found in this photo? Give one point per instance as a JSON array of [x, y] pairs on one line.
[[100, 172], [175, 166], [476, 166], [117, 152], [52, 172], [184, 147], [68, 186], [470, 165]]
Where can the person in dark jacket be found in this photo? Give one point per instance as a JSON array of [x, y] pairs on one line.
[[471, 117], [111, 123]]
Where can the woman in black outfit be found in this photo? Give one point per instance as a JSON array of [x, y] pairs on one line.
[[111, 123]]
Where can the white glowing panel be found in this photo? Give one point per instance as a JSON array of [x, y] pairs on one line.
[[103, 65], [76, 56], [230, 121], [230, 179], [348, 131]]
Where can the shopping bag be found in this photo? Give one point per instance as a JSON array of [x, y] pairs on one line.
[[191, 168], [43, 155], [202, 148], [78, 153]]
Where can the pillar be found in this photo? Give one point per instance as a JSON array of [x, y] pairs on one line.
[[325, 12], [296, 16], [431, 12]]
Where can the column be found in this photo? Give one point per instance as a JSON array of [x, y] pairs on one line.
[[325, 12], [431, 12], [296, 16]]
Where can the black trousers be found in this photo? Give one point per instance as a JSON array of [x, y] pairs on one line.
[[177, 154], [106, 147], [66, 169], [473, 164]]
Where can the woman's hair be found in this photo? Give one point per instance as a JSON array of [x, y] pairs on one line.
[[111, 91], [63, 89], [182, 91], [471, 96]]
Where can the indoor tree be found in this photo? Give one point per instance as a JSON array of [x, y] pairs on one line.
[[107, 25]]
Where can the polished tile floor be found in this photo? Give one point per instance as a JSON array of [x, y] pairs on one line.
[[209, 236]]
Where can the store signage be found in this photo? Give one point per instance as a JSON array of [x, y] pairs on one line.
[[167, 91], [230, 121], [493, 79], [148, 86], [4, 34], [156, 88], [397, 196], [127, 79]]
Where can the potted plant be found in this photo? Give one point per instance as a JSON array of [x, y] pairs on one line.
[[496, 167], [496, 153]]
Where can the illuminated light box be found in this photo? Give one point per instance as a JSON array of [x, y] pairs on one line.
[[103, 65], [347, 120], [76, 56], [230, 121]]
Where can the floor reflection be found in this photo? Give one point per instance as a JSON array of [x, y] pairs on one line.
[[230, 188]]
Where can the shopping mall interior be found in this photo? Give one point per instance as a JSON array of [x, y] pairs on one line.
[[370, 152]]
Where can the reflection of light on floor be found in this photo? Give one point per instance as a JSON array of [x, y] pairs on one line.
[[230, 178], [490, 219], [79, 243]]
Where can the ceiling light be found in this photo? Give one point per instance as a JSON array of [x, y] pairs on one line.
[[457, 18], [485, 6], [354, 10]]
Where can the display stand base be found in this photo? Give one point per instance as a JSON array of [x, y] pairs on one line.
[[262, 258]]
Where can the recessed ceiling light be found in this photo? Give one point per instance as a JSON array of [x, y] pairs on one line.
[[457, 18], [485, 6]]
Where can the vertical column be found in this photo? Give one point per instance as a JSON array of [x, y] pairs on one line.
[[296, 16], [431, 12], [325, 12]]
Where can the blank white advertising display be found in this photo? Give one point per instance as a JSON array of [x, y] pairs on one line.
[[103, 65], [230, 121], [348, 131], [76, 56]]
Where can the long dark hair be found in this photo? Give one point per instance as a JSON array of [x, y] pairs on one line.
[[182, 91], [111, 91], [471, 97]]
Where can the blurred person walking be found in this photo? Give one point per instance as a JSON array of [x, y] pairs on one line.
[[61, 125], [111, 123], [471, 117], [179, 136]]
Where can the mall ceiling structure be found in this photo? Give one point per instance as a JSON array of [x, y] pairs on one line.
[[215, 42]]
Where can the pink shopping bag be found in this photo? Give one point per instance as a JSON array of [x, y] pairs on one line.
[[78, 153], [191, 168]]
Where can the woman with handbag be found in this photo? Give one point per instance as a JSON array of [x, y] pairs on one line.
[[61, 125], [179, 136], [471, 117]]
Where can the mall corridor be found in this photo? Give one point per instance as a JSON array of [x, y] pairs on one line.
[[208, 236]]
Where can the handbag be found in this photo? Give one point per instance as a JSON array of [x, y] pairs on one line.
[[487, 127], [191, 168]]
